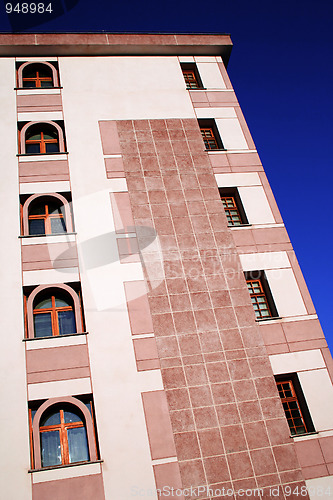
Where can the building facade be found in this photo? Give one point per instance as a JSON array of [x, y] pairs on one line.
[[159, 339]]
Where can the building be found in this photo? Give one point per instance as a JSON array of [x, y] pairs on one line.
[[158, 335]]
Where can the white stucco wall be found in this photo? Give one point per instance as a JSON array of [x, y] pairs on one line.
[[15, 458]]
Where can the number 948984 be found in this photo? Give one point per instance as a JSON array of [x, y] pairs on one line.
[[29, 8]]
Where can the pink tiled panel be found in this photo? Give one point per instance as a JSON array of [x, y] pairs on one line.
[[76, 488], [58, 363], [39, 102], [158, 425], [216, 373], [128, 250], [114, 168], [122, 212], [49, 256], [168, 481], [138, 307], [146, 354], [109, 137], [40, 171]]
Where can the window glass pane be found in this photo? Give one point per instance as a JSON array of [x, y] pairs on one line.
[[44, 304], [36, 226], [37, 209], [54, 208], [43, 72], [32, 148], [77, 445], [53, 419], [50, 448], [50, 135], [70, 416], [43, 325], [52, 147], [46, 84], [66, 321], [34, 137], [61, 302], [29, 84], [58, 225]]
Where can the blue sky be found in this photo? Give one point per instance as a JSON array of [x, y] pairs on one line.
[[281, 71]]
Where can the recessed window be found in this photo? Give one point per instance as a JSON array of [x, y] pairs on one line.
[[41, 75], [233, 207], [53, 315], [294, 404], [37, 76], [191, 76], [53, 311], [210, 134], [62, 432], [261, 297], [41, 140], [46, 216]]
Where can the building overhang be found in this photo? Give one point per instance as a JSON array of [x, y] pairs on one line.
[[114, 44]]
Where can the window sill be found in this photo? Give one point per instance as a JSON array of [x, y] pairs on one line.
[[56, 467], [43, 235], [199, 88], [218, 150], [246, 224], [43, 154], [305, 435], [272, 318], [38, 88], [28, 339]]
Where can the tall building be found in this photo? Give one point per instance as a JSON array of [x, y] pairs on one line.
[[158, 337]]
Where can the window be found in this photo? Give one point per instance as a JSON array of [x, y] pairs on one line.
[[294, 404], [233, 207], [46, 217], [37, 76], [62, 432], [44, 214], [191, 76], [261, 296], [210, 135], [53, 310], [53, 315], [41, 139], [41, 75]]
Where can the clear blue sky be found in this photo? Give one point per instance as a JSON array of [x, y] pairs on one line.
[[281, 71]]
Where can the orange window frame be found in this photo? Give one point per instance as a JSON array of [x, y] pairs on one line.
[[62, 429], [190, 79], [38, 79], [209, 138], [230, 205], [46, 217], [255, 296], [54, 314], [42, 142], [291, 413]]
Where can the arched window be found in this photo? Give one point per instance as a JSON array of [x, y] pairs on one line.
[[41, 138], [37, 76], [63, 432], [46, 216], [53, 314], [63, 436], [53, 310]]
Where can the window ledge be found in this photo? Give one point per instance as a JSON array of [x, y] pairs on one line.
[[246, 224], [272, 318], [54, 337], [43, 154], [199, 88], [38, 88], [305, 435], [43, 235], [218, 150], [56, 467]]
